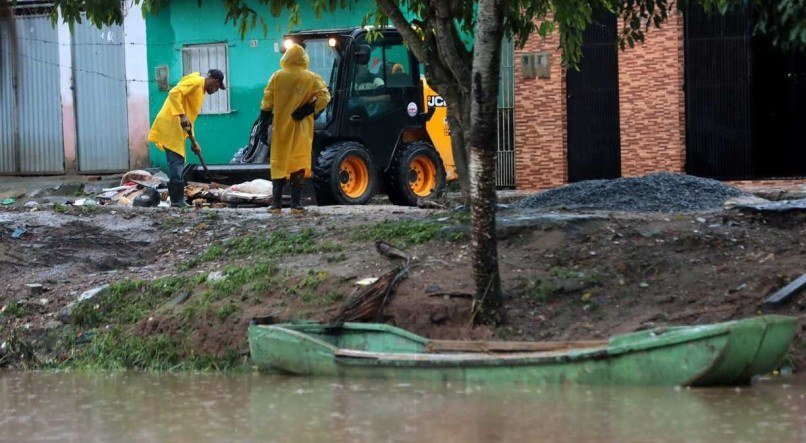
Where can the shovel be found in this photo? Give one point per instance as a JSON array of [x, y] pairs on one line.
[[211, 177]]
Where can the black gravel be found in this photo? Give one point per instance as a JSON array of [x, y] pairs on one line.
[[660, 192]]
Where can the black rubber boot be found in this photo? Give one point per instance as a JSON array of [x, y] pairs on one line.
[[277, 196], [296, 192], [176, 191]]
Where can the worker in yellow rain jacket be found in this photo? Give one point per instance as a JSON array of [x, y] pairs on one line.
[[175, 120], [292, 97]]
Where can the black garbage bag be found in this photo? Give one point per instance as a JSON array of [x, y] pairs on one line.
[[149, 198], [258, 149]]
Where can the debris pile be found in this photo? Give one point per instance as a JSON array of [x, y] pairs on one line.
[[142, 188], [134, 184], [659, 192], [256, 192]]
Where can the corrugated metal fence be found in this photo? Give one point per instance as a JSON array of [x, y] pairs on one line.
[[8, 139], [99, 88], [36, 144]]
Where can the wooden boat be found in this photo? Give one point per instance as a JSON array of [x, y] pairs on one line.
[[727, 353]]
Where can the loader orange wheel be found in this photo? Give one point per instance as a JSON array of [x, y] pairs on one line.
[[416, 172], [422, 176], [344, 174], [353, 176]]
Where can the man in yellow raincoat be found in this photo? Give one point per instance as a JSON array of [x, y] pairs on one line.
[[292, 97], [175, 120]]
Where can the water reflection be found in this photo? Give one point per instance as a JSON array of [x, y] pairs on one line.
[[257, 407]]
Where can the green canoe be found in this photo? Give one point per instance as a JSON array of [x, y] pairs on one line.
[[719, 354]]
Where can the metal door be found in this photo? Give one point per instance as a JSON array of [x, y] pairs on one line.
[[718, 96], [778, 91], [32, 140], [99, 88], [594, 139]]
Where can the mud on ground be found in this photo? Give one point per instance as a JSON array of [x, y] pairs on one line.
[[195, 278]]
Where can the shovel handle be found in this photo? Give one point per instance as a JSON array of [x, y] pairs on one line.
[[198, 154]]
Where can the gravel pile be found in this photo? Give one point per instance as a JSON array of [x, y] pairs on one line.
[[661, 192]]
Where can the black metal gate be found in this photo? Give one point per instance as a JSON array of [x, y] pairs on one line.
[[744, 99], [778, 111], [594, 141], [717, 75]]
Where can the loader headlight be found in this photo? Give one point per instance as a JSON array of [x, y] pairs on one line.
[[332, 42], [287, 44]]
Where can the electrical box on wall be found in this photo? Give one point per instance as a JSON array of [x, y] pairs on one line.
[[536, 64], [161, 75]]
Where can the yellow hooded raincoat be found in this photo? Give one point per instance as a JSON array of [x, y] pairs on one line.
[[289, 88], [186, 98]]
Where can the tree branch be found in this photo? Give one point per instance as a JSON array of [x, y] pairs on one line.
[[450, 47], [403, 26]]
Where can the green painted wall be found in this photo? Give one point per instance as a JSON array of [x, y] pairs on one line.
[[183, 22]]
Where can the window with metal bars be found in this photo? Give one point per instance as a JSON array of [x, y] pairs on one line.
[[202, 58]]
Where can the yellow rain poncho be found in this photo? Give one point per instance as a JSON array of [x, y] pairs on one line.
[[186, 98], [289, 88]]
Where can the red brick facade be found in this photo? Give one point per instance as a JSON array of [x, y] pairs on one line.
[[652, 103], [651, 112], [540, 122]]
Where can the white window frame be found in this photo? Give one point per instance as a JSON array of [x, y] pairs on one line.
[[218, 103]]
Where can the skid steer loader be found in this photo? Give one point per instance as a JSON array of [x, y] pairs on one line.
[[384, 130]]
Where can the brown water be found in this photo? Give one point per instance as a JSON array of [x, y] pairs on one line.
[[131, 407]]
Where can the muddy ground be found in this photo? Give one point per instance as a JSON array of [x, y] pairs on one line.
[[193, 279]]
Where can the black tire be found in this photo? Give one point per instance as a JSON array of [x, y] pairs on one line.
[[399, 176], [328, 175]]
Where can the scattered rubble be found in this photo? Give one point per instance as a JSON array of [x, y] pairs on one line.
[[141, 188]]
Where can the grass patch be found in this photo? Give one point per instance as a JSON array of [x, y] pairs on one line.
[[570, 274], [275, 244], [307, 288], [60, 208], [115, 349], [261, 277], [336, 258], [88, 209], [540, 290], [172, 221], [128, 301], [225, 311], [14, 309], [405, 232], [459, 217]]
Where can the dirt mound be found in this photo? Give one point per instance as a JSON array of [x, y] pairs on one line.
[[661, 192], [195, 278]]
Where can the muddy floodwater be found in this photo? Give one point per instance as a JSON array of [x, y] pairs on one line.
[[70, 407]]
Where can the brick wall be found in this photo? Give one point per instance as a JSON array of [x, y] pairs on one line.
[[651, 113], [540, 121], [652, 103]]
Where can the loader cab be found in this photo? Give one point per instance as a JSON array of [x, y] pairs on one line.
[[364, 140]]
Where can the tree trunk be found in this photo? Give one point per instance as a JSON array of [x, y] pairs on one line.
[[469, 84], [458, 123], [481, 140], [459, 153]]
